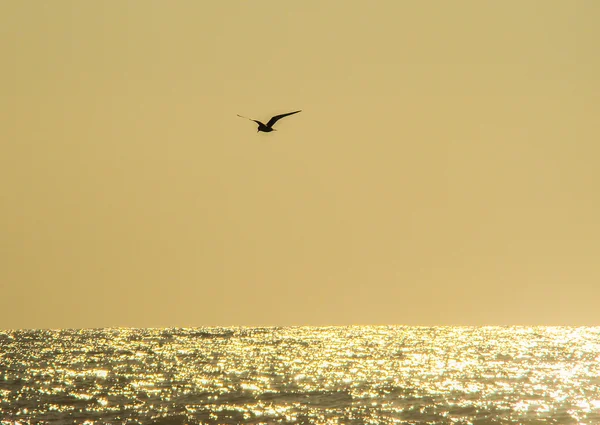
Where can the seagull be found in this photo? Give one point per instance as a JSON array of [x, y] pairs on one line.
[[269, 127]]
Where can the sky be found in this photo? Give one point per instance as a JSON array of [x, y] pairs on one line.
[[443, 170]]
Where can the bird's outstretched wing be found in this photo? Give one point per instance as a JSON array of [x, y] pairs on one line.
[[257, 122], [276, 118]]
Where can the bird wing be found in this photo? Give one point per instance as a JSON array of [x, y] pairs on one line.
[[257, 122], [276, 118]]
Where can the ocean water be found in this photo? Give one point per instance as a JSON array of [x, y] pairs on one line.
[[301, 375]]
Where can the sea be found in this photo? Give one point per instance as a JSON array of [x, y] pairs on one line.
[[301, 375]]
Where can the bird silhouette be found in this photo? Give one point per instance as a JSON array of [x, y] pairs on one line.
[[269, 126]]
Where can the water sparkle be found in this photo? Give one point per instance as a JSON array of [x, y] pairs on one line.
[[408, 375]]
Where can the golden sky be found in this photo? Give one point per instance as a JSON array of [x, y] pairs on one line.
[[444, 170]]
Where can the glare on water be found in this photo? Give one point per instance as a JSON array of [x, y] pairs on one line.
[[438, 375]]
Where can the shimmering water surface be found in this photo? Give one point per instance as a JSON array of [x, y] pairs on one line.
[[345, 375]]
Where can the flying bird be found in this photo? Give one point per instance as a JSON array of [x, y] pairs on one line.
[[269, 126]]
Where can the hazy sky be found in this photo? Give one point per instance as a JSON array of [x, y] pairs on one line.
[[445, 169]]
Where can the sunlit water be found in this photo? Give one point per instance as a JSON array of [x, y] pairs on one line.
[[345, 375]]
